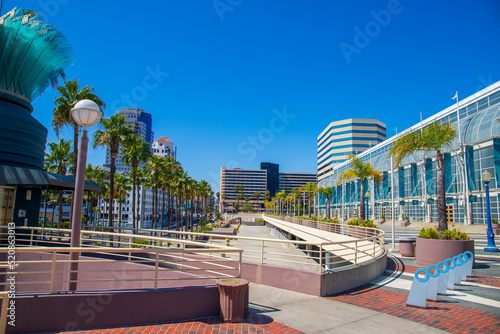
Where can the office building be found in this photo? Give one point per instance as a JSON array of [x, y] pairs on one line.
[[414, 183], [252, 180], [273, 171], [349, 136], [289, 181]]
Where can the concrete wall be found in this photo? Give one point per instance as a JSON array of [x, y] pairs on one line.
[[48, 313]]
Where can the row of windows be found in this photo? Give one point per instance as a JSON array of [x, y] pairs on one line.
[[366, 132], [374, 141], [349, 125]]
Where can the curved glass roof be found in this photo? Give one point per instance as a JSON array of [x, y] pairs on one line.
[[482, 125], [32, 54]]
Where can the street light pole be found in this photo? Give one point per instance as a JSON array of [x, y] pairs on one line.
[[490, 247], [85, 113], [367, 215]]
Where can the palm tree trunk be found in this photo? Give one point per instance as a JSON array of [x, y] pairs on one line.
[[169, 213], [327, 208], [111, 193], [362, 202], [163, 207], [134, 172], [59, 210], [441, 193], [139, 206]]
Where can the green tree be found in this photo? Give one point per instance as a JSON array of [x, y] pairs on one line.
[[362, 171], [97, 175], [433, 137], [113, 133], [68, 95], [327, 192], [155, 165], [257, 195], [57, 161], [135, 151], [309, 189], [122, 188]]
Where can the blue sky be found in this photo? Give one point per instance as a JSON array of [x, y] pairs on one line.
[[233, 83]]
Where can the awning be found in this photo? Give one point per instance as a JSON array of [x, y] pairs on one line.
[[17, 176]]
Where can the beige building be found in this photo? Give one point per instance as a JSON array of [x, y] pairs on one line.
[[252, 181]]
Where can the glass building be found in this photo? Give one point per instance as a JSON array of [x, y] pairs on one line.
[[413, 185]]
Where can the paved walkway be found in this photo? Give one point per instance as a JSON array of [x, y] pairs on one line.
[[379, 307]]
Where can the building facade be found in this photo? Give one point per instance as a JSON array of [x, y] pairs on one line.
[[349, 136], [413, 185], [273, 171], [289, 181], [252, 180], [163, 147]]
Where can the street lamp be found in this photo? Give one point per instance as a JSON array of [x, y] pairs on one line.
[[85, 113], [367, 195], [491, 247]]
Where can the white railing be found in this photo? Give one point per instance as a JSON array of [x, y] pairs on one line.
[[43, 268]]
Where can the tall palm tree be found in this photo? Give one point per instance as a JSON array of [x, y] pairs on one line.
[[281, 197], [191, 190], [256, 195], [122, 187], [170, 167], [113, 133], [155, 165], [296, 196], [431, 138], [223, 197], [97, 175], [327, 192], [309, 189], [362, 171], [68, 95], [205, 190], [135, 151], [57, 161], [141, 178]]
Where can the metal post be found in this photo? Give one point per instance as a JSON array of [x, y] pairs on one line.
[[77, 208], [392, 204], [490, 247], [262, 252], [156, 268]]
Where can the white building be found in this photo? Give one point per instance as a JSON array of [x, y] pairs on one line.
[[163, 147]]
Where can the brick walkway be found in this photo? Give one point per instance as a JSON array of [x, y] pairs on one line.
[[208, 325], [442, 315]]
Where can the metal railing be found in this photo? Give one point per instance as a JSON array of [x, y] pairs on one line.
[[43, 268]]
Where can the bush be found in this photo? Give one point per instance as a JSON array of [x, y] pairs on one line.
[[369, 223], [455, 235], [204, 228], [138, 242], [406, 217], [334, 221], [429, 233], [382, 216], [494, 220], [354, 222]]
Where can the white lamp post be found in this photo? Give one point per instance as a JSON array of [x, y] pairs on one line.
[[86, 113]]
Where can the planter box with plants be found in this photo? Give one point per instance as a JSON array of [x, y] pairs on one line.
[[406, 221], [357, 232], [431, 249], [495, 226]]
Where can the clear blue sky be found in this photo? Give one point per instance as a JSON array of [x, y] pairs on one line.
[[229, 67]]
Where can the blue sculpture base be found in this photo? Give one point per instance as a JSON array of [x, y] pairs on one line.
[[492, 249]]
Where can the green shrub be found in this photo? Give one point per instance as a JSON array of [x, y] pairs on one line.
[[406, 217], [494, 220], [334, 221], [259, 220], [354, 222], [204, 228], [429, 233], [382, 216], [139, 242], [455, 235], [369, 223]]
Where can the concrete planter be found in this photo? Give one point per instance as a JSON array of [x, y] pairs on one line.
[[382, 220], [233, 299], [432, 251]]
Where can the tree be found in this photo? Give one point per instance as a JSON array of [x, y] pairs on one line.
[[114, 132], [155, 165], [327, 192], [431, 138], [68, 95], [57, 161], [122, 187], [223, 197], [296, 196], [135, 151], [256, 195], [362, 171], [170, 167], [281, 197], [97, 175], [309, 189]]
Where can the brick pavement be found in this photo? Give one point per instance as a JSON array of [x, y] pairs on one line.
[[442, 315], [207, 325]]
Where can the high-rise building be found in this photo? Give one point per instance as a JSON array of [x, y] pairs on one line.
[[141, 123], [349, 136], [273, 181], [252, 181], [289, 181], [163, 147]]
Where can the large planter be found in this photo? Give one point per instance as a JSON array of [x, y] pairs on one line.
[[432, 251], [233, 295]]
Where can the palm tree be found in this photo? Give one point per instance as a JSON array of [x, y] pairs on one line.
[[205, 190], [281, 197], [122, 187], [135, 151], [296, 195], [57, 161], [362, 171], [431, 138], [68, 95], [223, 197], [309, 189], [141, 178], [155, 165], [327, 192], [170, 167], [114, 133], [256, 195], [97, 175]]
